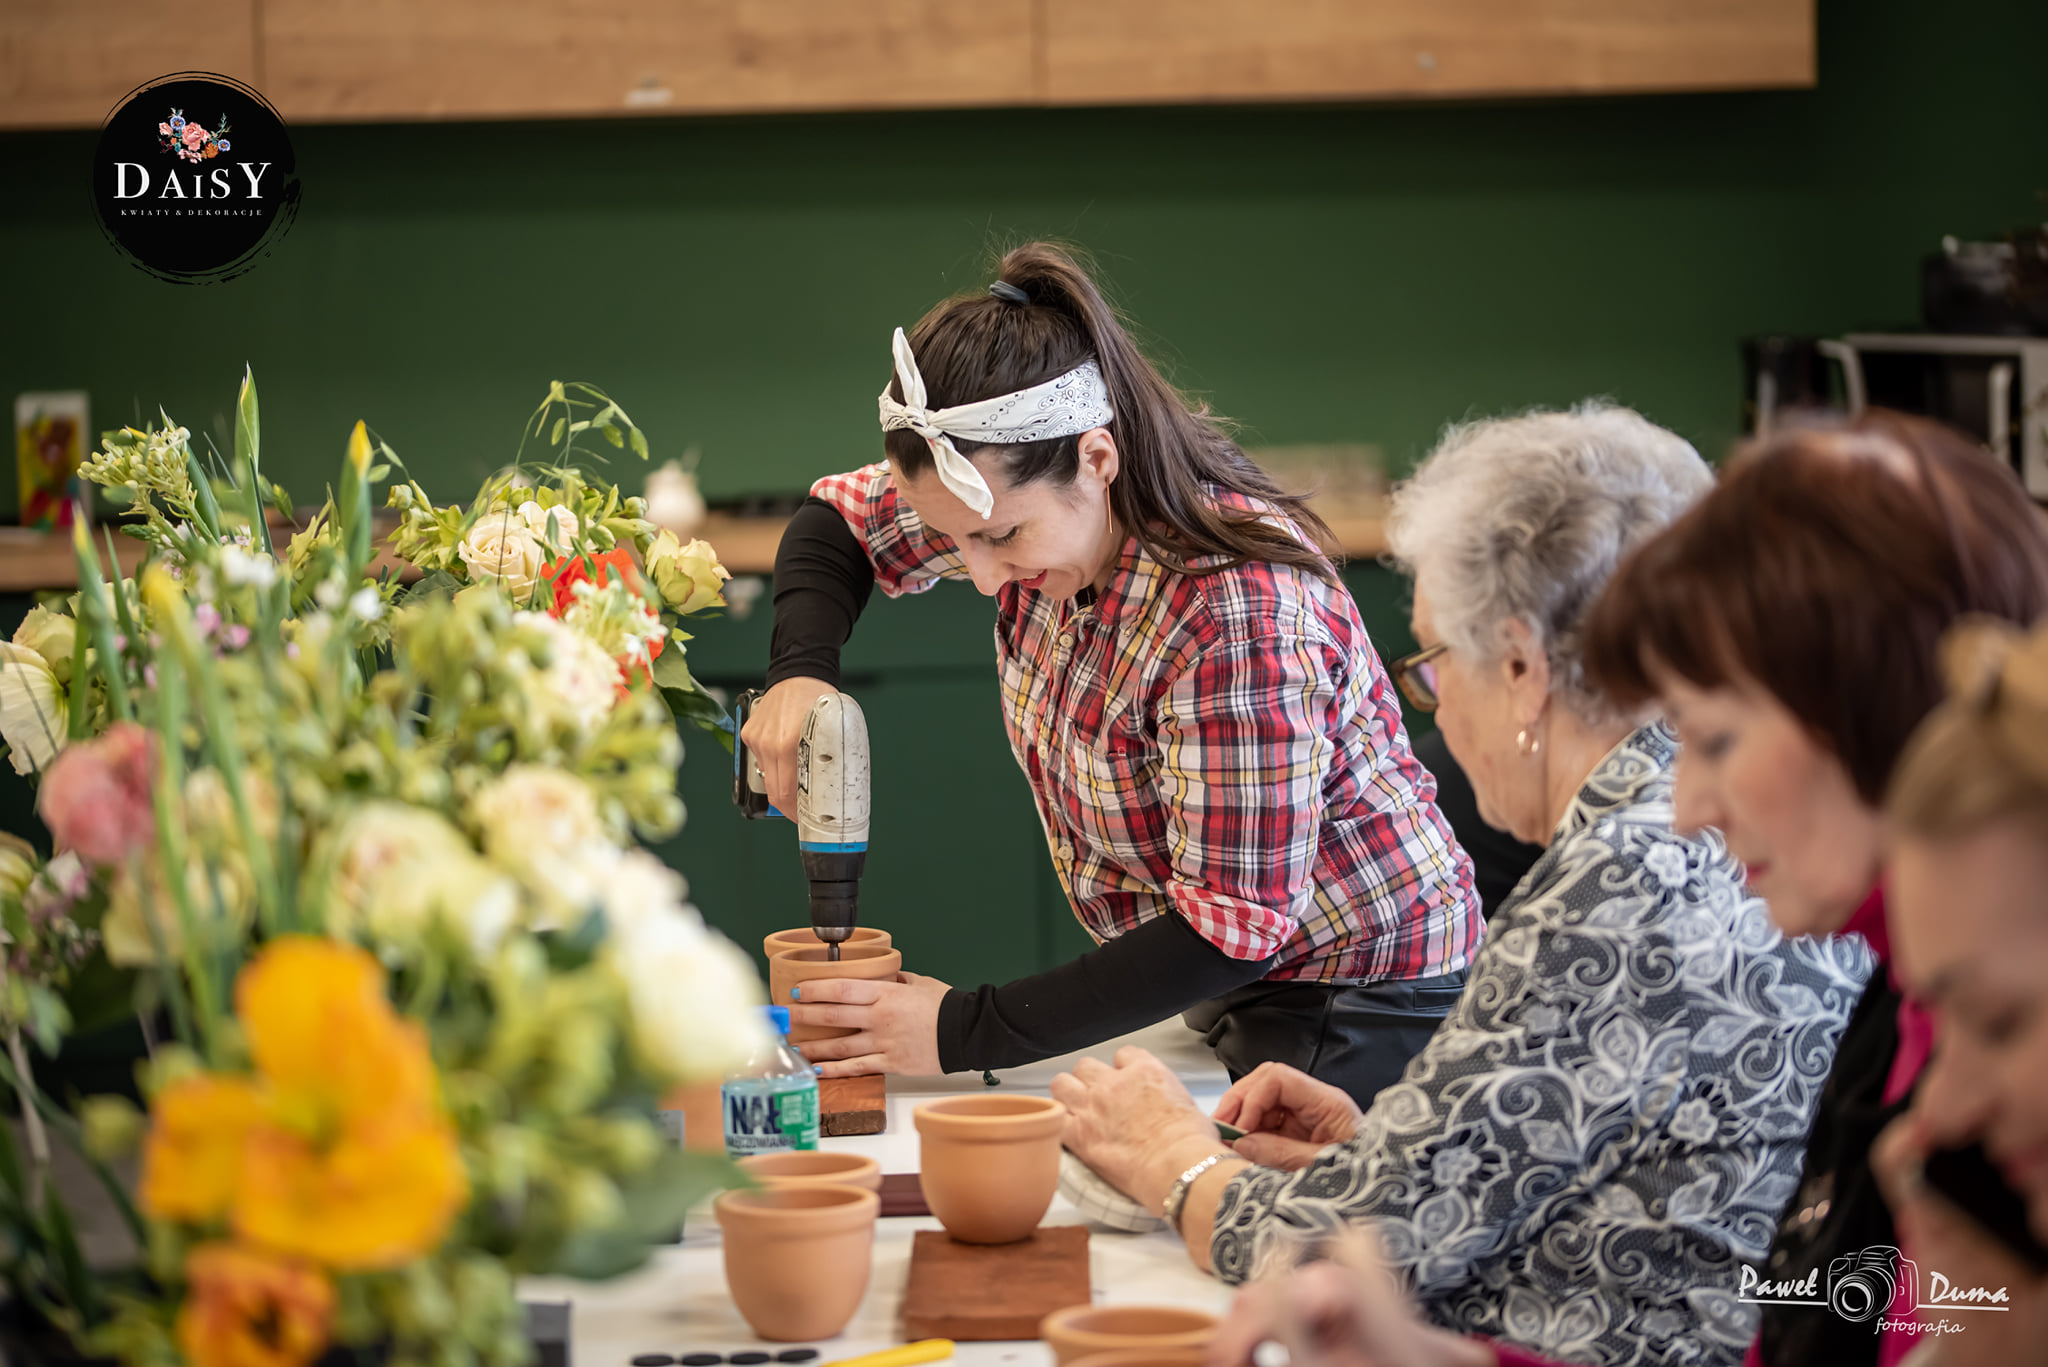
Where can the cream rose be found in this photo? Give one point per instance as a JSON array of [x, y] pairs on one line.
[[580, 682], [689, 577], [502, 549], [50, 635], [34, 715], [555, 528], [399, 868]]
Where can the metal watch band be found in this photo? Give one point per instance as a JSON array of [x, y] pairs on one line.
[[1178, 1196]]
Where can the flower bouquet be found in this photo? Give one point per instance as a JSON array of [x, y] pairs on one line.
[[369, 848]]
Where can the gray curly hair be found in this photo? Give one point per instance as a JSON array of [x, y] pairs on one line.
[[1526, 518]]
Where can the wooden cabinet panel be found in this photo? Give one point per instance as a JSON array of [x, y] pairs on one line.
[[411, 59], [1140, 51], [65, 63]]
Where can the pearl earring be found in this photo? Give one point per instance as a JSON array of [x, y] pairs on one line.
[[1526, 746]]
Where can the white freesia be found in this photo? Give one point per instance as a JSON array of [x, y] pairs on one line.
[[254, 568], [366, 603], [555, 528], [541, 825], [398, 868], [502, 549], [34, 716], [579, 682]]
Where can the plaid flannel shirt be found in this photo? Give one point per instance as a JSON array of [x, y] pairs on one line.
[[1225, 747]]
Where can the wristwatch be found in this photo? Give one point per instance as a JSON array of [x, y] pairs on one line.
[[1178, 1197]]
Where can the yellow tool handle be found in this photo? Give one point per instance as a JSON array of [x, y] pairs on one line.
[[909, 1355]]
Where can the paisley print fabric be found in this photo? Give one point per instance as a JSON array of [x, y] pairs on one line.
[[1607, 1124]]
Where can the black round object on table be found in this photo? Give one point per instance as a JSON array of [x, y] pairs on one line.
[[701, 1359], [797, 1355], [747, 1359], [654, 1360]]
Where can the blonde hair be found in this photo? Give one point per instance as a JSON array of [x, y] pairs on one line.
[[1982, 755]]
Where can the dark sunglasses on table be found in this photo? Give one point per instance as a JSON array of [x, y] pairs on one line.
[[1416, 674]]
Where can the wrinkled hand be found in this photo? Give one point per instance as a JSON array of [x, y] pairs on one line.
[[772, 731], [1944, 1239], [1134, 1123], [1288, 1116], [895, 1024], [1345, 1312]]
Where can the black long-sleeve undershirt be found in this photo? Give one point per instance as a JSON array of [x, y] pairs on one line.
[[823, 580]]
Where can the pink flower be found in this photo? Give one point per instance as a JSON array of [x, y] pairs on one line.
[[96, 796], [164, 129], [194, 136]]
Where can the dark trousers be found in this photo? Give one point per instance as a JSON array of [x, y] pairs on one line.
[[1358, 1038]]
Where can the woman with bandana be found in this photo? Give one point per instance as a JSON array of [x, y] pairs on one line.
[[1216, 753]]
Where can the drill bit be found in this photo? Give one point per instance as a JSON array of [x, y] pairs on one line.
[[832, 952]]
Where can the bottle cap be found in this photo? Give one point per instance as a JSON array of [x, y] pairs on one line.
[[778, 1017]]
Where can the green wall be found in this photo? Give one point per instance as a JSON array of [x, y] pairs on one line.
[[1321, 273]]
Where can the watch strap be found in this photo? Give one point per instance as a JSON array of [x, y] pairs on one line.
[[1178, 1196]]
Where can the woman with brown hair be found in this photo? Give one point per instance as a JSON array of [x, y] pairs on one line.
[[1217, 755], [1790, 626]]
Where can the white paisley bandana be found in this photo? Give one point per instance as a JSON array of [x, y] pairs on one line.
[[1063, 406]]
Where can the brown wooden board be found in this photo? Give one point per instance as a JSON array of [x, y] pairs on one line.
[[902, 1193], [977, 1293], [853, 1105]]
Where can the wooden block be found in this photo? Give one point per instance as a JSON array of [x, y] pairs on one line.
[[977, 1293], [853, 1105], [903, 1194]]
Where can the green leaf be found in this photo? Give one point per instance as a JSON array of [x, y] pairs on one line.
[[672, 670], [48, 1020], [79, 1287], [614, 436], [555, 436], [81, 677], [639, 443]]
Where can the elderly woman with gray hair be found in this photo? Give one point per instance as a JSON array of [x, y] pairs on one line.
[[1606, 1126]]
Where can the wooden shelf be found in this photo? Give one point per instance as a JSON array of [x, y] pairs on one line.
[[65, 65]]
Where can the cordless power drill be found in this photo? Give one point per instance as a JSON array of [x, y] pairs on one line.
[[832, 802]]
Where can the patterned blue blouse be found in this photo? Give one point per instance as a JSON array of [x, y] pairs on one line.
[[1606, 1126]]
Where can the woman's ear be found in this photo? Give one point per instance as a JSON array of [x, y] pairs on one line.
[[1525, 671], [1099, 457]]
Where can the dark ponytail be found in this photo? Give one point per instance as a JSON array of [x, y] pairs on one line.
[[976, 346]]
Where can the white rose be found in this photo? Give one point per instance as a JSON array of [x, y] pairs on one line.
[[34, 716], [695, 997], [501, 549], [400, 867], [555, 528], [580, 682], [541, 825], [640, 885]]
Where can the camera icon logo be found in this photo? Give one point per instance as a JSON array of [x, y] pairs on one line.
[[1872, 1282]]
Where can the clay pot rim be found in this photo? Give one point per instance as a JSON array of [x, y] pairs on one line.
[[771, 944], [1071, 1325], [1141, 1357], [1044, 1117], [848, 954], [855, 1207], [839, 1170]]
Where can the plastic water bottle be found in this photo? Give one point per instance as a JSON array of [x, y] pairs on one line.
[[771, 1102]]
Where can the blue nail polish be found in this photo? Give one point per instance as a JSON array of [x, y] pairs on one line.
[[818, 1068], [796, 994]]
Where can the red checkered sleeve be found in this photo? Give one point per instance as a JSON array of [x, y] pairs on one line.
[[1245, 746], [908, 558]]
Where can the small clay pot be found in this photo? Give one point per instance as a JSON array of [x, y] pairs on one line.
[[1143, 1357], [813, 1168], [1083, 1331], [989, 1164], [794, 967], [803, 937], [796, 1258]]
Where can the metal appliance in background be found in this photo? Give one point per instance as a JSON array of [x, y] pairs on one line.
[[832, 805], [1785, 375]]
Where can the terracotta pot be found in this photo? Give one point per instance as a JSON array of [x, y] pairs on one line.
[[1083, 1331], [813, 1168], [796, 1258], [793, 967], [804, 938], [989, 1164], [1143, 1357]]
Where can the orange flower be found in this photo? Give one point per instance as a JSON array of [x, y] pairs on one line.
[[194, 1153], [337, 1150], [248, 1309]]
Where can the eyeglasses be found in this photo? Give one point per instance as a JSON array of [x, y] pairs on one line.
[[1416, 674]]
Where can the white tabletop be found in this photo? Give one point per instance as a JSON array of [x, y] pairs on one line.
[[678, 1302]]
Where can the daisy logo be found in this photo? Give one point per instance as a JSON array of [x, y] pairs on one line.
[[216, 193]]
